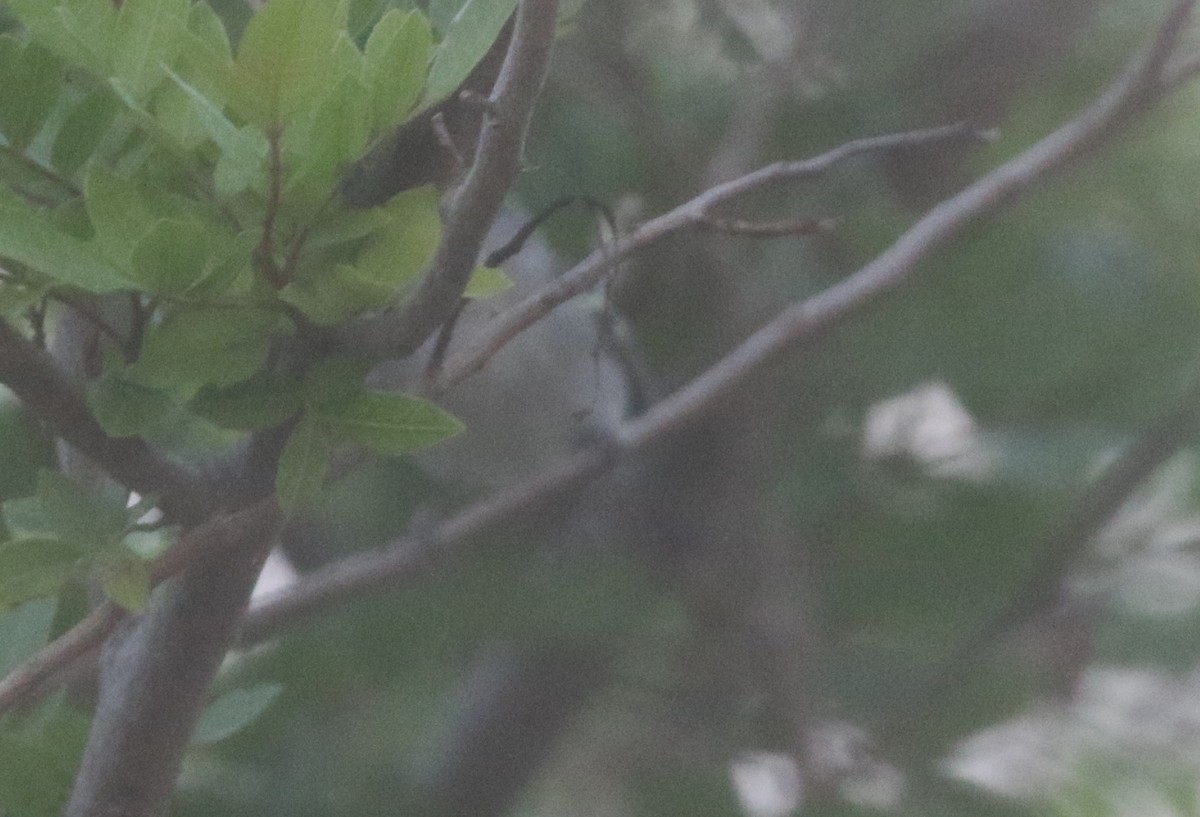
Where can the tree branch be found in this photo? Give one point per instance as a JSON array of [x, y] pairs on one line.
[[56, 399], [212, 541], [1138, 86], [399, 330], [694, 213], [155, 675]]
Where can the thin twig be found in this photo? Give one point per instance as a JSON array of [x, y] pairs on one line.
[[768, 229], [588, 272], [796, 326]]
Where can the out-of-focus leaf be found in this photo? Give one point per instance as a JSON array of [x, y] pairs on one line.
[[303, 464], [469, 36], [38, 762], [32, 79], [233, 712], [397, 59], [389, 423], [486, 282], [263, 401], [27, 236], [193, 347], [23, 631], [285, 59], [125, 408], [150, 34], [33, 568]]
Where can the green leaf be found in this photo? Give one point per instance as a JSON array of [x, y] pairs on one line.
[[150, 34], [486, 282], [171, 256], [117, 208], [126, 580], [196, 346], [233, 712], [333, 380], [82, 31], [32, 568], [23, 631], [263, 401], [285, 60], [469, 36], [303, 464], [83, 131], [65, 510], [27, 236], [410, 227], [124, 408], [17, 296], [337, 134], [389, 423], [38, 761], [32, 82], [243, 150], [397, 60]]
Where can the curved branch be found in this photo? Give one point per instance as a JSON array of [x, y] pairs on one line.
[[40, 383], [694, 213], [1140, 85], [399, 330]]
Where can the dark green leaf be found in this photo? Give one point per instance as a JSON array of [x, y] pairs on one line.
[[196, 346], [124, 408], [263, 401], [32, 80], [302, 464]]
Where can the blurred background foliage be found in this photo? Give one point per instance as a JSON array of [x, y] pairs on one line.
[[859, 512], [867, 505]]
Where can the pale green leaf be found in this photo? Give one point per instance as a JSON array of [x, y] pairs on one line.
[[26, 236], [390, 423], [285, 60], [401, 248], [126, 580], [118, 209], [468, 37], [337, 134], [150, 34], [32, 568], [486, 282], [303, 464], [243, 150], [171, 256], [233, 712], [397, 61]]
